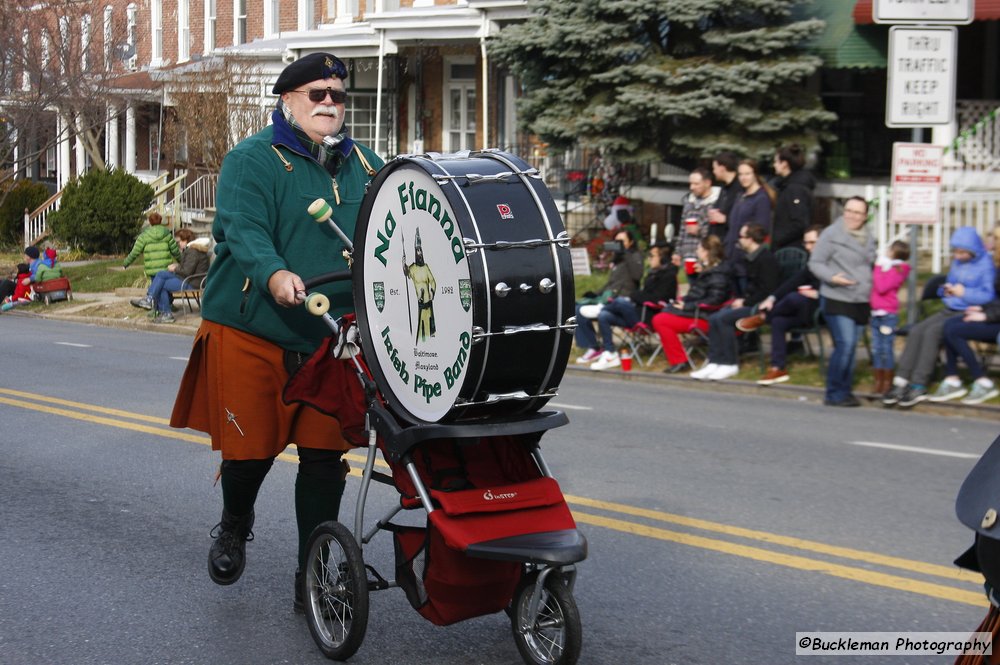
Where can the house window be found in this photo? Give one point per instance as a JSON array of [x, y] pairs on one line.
[[210, 13], [25, 74], [460, 106], [183, 31], [156, 18], [130, 14], [239, 21], [347, 10], [359, 115], [307, 14], [64, 43], [108, 39], [272, 17], [85, 42]]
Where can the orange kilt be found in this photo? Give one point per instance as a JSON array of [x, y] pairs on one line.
[[233, 372]]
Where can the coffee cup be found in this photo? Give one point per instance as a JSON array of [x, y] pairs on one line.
[[692, 224], [689, 266], [805, 288], [626, 361]]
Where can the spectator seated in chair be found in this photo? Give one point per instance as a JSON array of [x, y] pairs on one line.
[[625, 311], [626, 275], [762, 278], [194, 260], [712, 288], [792, 305], [970, 283], [981, 324]]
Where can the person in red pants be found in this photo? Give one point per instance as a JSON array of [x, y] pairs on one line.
[[712, 288]]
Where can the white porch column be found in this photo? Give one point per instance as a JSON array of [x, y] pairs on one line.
[[81, 154], [111, 139], [130, 138], [13, 140], [63, 167]]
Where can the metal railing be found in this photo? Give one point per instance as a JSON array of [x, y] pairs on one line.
[[200, 195]]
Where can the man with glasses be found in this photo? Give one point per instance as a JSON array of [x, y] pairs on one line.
[[792, 305], [255, 334]]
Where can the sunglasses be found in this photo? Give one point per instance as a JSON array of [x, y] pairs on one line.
[[318, 95]]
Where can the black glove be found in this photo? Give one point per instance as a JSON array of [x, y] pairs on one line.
[[589, 294]]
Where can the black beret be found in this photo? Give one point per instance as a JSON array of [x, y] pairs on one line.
[[313, 67]]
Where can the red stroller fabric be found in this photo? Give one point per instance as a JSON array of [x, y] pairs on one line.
[[331, 386], [483, 489]]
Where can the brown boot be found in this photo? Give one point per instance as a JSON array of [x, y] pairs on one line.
[[878, 380]]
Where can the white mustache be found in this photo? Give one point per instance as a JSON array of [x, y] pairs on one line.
[[331, 111]]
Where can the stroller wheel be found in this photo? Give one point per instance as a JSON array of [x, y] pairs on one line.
[[551, 635], [335, 591]]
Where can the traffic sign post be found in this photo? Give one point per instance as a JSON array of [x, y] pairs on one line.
[[957, 12], [922, 72]]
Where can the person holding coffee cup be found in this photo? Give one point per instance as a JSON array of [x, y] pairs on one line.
[[694, 218]]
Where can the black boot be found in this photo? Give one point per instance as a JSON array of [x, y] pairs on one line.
[[227, 556]]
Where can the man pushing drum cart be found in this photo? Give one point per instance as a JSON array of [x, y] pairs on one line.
[[457, 422]]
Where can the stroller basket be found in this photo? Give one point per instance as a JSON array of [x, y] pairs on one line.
[[491, 511]]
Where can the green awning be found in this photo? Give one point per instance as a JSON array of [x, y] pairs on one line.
[[843, 44]]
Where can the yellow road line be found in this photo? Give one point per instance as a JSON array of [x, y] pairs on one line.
[[792, 561], [951, 573], [86, 407], [158, 431], [758, 554]]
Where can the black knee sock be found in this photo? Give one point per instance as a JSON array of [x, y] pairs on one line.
[[319, 487], [241, 480]]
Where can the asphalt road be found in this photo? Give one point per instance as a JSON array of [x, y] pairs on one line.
[[719, 525]]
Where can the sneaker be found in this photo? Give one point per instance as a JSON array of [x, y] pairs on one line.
[[981, 392], [750, 323], [227, 556], [895, 394], [166, 317], [948, 391], [774, 375], [702, 374], [723, 372], [143, 303], [607, 360], [589, 356], [912, 395]]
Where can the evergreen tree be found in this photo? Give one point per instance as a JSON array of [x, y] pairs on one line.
[[102, 211], [660, 79]]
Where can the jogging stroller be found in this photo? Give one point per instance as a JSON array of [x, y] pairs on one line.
[[498, 534], [456, 351]]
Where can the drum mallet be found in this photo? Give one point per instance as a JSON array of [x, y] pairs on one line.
[[321, 211]]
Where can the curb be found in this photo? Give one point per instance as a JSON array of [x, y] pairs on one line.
[[785, 391]]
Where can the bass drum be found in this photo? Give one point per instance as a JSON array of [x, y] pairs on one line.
[[463, 286]]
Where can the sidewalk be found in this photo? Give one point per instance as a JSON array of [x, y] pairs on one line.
[[113, 310]]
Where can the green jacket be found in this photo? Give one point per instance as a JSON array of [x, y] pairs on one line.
[[158, 249], [262, 225], [45, 273]]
